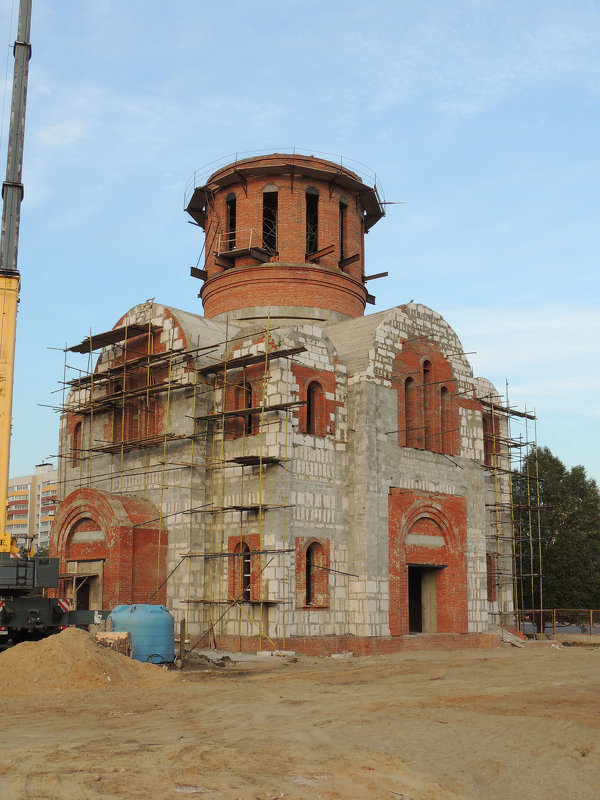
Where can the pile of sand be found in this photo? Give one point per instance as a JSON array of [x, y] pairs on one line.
[[72, 660]]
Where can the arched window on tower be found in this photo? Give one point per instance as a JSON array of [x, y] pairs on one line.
[[315, 409], [230, 221], [428, 438], [269, 219], [312, 220], [343, 229]]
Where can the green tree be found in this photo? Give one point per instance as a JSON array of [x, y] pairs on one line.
[[567, 536]]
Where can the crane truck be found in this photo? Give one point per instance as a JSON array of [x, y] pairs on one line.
[[25, 610]]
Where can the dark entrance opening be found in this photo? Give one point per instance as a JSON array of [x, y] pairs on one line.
[[82, 588], [422, 599]]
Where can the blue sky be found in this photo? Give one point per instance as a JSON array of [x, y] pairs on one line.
[[481, 116]]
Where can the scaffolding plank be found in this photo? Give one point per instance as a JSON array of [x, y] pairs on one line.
[[248, 412], [255, 461], [98, 340], [239, 507], [138, 444], [120, 399], [511, 412], [245, 361]]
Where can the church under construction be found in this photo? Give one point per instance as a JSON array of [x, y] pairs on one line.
[[284, 471]]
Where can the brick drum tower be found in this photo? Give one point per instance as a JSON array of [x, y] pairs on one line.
[[286, 471], [285, 232]]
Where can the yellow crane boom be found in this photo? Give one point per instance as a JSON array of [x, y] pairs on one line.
[[10, 279]]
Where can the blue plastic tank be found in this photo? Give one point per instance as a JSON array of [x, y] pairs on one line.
[[152, 631]]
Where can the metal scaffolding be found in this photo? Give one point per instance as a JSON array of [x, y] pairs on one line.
[[223, 452], [510, 447]]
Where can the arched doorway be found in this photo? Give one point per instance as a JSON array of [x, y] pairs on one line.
[[427, 563], [112, 550]]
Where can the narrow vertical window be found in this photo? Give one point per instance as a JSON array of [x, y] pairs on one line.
[[310, 568], [230, 221], [76, 448], [491, 444], [243, 400], [445, 420], [427, 439], [243, 571], [315, 410], [312, 221], [490, 563], [269, 223], [118, 414], [410, 413], [343, 231], [315, 575]]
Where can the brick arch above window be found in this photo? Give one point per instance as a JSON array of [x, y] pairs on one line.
[[241, 393], [325, 379], [312, 572], [244, 573], [75, 432], [316, 423]]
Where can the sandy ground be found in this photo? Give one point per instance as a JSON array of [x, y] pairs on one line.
[[484, 725]]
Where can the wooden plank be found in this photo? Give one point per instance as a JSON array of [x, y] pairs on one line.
[[324, 252], [350, 260], [374, 277], [248, 412], [198, 273], [245, 361], [114, 336]]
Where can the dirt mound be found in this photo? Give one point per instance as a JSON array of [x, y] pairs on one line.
[[72, 660]]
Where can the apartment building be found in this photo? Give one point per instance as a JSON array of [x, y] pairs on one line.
[[32, 505]]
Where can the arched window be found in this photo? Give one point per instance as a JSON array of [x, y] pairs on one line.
[[343, 229], [316, 575], [118, 413], [428, 415], [315, 409], [491, 443], [269, 220], [428, 438], [411, 421], [312, 220], [242, 571], [490, 563], [243, 400], [76, 444], [445, 420], [230, 221]]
